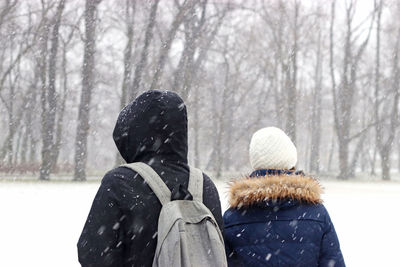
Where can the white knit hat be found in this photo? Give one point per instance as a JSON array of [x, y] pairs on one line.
[[271, 148]]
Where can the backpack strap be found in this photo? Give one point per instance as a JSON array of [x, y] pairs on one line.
[[155, 182], [196, 184]]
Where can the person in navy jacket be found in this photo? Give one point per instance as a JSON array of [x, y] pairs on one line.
[[276, 216]]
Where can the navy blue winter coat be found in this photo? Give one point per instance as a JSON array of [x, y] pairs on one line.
[[278, 220]]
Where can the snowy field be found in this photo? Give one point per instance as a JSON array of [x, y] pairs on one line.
[[41, 222]]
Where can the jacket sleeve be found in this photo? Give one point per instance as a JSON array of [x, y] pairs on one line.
[[231, 255], [330, 255], [100, 243], [212, 200]]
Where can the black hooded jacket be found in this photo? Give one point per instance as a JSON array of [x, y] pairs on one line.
[[121, 229]]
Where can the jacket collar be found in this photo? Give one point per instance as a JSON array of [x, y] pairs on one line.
[[249, 191], [265, 172]]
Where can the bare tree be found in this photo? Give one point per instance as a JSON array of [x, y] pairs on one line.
[[88, 77], [10, 73], [192, 34], [186, 75], [277, 28], [183, 9], [343, 95], [49, 101], [141, 65], [316, 109], [383, 128], [6, 9], [284, 27], [130, 8], [62, 98], [292, 78]]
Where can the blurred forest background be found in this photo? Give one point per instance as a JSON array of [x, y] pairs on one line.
[[326, 72]]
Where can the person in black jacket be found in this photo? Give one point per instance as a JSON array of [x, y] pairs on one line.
[[121, 229], [276, 216]]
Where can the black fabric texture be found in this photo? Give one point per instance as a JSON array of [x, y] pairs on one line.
[[121, 229]]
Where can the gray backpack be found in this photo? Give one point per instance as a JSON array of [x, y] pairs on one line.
[[188, 234]]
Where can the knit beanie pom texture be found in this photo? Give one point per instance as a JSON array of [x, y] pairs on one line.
[[271, 148]]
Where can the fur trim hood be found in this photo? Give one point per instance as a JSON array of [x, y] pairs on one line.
[[248, 191]]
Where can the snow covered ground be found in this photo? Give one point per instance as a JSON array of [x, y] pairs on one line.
[[41, 222]]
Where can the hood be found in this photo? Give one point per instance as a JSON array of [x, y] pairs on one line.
[[153, 126], [274, 190]]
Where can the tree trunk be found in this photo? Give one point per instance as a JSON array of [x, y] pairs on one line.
[[24, 146], [331, 150], [17, 148], [378, 126], [343, 95], [398, 154], [357, 153], [385, 165], [343, 160], [292, 88], [373, 162], [143, 57], [166, 46], [316, 113], [49, 100], [385, 146], [6, 153], [60, 119], [88, 80], [46, 159], [126, 81], [186, 73]]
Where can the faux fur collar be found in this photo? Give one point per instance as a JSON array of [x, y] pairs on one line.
[[248, 191]]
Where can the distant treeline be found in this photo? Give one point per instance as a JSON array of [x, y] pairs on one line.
[[326, 72]]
